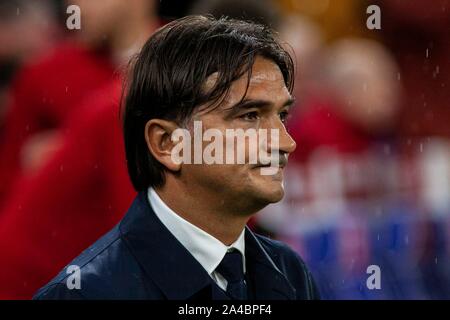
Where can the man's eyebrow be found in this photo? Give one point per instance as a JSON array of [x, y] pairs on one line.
[[256, 103], [289, 102]]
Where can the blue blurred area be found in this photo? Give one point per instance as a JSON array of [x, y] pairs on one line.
[[393, 213], [412, 252]]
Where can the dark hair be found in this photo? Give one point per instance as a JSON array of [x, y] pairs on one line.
[[167, 78]]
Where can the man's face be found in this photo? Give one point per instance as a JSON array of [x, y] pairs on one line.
[[265, 106]]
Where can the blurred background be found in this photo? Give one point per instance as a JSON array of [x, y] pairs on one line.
[[369, 183]]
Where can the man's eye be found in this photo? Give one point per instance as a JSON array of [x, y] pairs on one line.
[[250, 116], [284, 116]]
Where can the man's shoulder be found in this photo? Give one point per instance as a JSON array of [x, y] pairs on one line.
[[99, 272], [292, 266]]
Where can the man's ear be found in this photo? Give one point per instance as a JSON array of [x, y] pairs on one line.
[[158, 137]]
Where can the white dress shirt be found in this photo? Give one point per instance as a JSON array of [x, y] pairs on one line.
[[206, 249]]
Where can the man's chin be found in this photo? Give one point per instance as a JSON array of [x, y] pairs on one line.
[[271, 192], [277, 195], [269, 186]]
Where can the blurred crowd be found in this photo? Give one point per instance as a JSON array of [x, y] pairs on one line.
[[369, 183]]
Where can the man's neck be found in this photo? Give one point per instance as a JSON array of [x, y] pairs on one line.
[[211, 215]]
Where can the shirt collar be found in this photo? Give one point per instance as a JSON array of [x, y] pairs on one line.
[[205, 248]]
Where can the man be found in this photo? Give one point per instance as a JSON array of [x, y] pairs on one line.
[[184, 236]]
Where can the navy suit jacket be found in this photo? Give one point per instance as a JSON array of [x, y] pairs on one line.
[[141, 259]]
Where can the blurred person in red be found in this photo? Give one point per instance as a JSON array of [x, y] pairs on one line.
[[45, 93], [358, 103], [43, 225], [35, 21], [418, 35]]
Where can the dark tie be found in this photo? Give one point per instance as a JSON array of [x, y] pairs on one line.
[[231, 268]]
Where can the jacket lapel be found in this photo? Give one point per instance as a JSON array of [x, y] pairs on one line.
[[268, 282], [166, 261]]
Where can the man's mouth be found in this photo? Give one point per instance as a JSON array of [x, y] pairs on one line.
[[270, 165], [281, 163]]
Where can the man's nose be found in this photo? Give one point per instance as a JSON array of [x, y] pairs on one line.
[[286, 143]]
